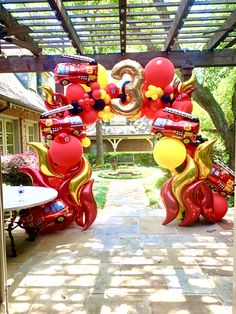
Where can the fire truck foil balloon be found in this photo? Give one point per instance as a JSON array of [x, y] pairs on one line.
[[197, 185]]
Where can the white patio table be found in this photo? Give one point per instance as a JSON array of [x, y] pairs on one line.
[[12, 202]]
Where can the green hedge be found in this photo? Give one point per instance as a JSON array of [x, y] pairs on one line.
[[142, 159]]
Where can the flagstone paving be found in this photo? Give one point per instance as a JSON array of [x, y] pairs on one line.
[[127, 262]]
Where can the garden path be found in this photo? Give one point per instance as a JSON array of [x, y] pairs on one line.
[[127, 262]]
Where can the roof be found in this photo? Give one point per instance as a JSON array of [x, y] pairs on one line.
[[14, 92], [84, 27]]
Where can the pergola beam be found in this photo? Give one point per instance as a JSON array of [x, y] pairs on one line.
[[22, 40], [180, 59], [222, 32], [177, 23], [67, 25]]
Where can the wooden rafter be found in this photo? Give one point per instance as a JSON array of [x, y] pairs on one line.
[[222, 32], [47, 63], [22, 40], [231, 44], [177, 23], [67, 25]]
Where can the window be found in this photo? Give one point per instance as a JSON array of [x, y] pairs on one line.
[[32, 133], [9, 138]]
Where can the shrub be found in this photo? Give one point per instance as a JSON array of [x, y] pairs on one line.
[[141, 158], [11, 164]]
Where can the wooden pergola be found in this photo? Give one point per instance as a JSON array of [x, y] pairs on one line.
[[200, 33], [190, 33]]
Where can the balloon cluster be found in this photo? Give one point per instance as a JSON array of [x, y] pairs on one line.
[[150, 92]]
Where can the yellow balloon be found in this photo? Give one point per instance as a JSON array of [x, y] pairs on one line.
[[169, 153], [102, 76]]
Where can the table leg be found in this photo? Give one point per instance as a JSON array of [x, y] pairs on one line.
[[9, 229]]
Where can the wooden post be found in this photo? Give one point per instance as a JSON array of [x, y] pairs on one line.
[[99, 144], [186, 73], [3, 264], [234, 250]]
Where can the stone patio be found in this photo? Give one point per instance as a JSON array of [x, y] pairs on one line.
[[127, 262]]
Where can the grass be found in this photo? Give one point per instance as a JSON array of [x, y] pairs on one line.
[[100, 189], [153, 186]]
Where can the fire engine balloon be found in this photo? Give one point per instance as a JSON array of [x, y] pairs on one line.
[[159, 72], [62, 150], [74, 92], [169, 153]]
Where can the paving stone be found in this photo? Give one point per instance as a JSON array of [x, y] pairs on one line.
[[153, 225], [127, 262]]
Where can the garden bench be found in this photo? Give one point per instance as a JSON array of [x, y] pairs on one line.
[[127, 160]]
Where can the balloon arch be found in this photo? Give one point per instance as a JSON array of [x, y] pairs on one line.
[[197, 187]]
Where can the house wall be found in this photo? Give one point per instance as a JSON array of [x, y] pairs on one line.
[[126, 145], [22, 118]]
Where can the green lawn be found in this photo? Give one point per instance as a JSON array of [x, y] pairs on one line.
[[100, 189]]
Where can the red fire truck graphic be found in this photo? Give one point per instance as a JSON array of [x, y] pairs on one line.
[[221, 178], [185, 129], [65, 73], [71, 125]]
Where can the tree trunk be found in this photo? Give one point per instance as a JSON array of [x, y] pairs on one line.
[[205, 99], [99, 144]]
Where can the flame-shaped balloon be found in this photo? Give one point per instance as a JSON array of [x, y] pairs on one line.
[[88, 204], [203, 159], [185, 86], [80, 179], [42, 152], [191, 204], [48, 93], [183, 179], [170, 202]]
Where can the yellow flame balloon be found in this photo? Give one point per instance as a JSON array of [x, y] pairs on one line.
[[203, 159], [183, 87], [80, 179], [183, 179], [48, 93], [42, 152], [133, 89]]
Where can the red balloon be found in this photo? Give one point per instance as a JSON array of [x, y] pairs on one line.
[[74, 92], [220, 206], [183, 103], [159, 72], [66, 150], [89, 117], [156, 104]]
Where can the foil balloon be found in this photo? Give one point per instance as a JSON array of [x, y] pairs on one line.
[[180, 181], [191, 204], [80, 179], [169, 201], [133, 89], [88, 202], [202, 158], [42, 152]]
